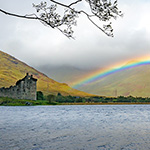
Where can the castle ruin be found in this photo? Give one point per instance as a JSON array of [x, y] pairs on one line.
[[24, 89]]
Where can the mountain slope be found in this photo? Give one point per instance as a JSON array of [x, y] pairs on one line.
[[12, 70], [134, 81], [64, 73]]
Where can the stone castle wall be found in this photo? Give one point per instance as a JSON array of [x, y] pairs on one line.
[[24, 89]]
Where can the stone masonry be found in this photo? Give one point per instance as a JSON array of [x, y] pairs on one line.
[[24, 89]]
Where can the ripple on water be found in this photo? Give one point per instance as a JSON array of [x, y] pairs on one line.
[[87, 127]]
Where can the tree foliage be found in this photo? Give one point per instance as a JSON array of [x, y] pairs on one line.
[[49, 15], [40, 95], [101, 99], [51, 98]]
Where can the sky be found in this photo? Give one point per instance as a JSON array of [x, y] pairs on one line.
[[41, 46]]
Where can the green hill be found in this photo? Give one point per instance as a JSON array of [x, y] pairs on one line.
[[134, 81], [12, 70]]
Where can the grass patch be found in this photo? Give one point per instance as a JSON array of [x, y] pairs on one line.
[[5, 101]]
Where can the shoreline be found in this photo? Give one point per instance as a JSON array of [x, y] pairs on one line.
[[63, 104], [14, 102], [121, 103]]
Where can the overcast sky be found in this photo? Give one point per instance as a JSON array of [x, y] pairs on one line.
[[38, 45]]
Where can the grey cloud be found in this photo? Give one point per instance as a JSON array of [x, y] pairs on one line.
[[38, 45]]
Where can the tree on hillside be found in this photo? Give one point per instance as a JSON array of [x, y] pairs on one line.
[[51, 98], [40, 95], [49, 14]]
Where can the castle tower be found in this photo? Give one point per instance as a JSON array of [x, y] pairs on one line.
[[24, 89]]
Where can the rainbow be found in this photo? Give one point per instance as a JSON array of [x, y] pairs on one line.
[[106, 72]]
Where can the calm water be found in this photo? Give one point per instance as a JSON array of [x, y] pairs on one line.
[[109, 127]]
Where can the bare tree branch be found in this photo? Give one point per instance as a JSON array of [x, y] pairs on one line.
[[24, 16], [108, 34], [16, 15], [104, 10], [74, 3], [61, 4]]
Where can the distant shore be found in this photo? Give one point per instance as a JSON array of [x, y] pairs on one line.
[[13, 102]]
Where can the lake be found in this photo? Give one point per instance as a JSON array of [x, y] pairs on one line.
[[75, 127]]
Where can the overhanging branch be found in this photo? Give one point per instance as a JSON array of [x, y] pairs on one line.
[[25, 16], [16, 15], [48, 15]]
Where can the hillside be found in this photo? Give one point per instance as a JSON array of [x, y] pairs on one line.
[[64, 73], [12, 70], [134, 81]]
